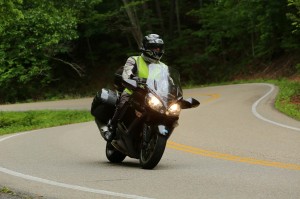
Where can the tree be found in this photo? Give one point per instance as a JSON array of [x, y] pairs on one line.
[[295, 16], [49, 43], [34, 32], [136, 29]]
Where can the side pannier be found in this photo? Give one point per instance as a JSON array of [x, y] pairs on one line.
[[104, 105]]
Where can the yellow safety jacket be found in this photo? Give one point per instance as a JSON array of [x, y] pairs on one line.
[[142, 70]]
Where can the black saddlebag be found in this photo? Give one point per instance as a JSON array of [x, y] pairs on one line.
[[103, 105]]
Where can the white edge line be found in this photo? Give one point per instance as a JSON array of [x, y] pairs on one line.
[[63, 185], [254, 110]]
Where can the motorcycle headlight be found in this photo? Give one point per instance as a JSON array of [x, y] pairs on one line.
[[154, 103], [174, 110]]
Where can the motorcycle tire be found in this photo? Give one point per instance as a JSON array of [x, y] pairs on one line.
[[113, 155], [151, 154]]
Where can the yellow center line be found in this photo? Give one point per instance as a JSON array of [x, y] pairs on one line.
[[212, 154], [212, 97]]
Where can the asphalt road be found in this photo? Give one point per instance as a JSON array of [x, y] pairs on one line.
[[234, 145]]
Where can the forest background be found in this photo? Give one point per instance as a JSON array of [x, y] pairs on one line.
[[73, 47]]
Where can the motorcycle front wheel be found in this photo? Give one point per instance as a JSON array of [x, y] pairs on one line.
[[113, 155], [152, 152]]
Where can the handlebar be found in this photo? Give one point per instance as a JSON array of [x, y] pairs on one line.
[[139, 80]]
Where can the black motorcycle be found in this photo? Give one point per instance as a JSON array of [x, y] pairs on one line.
[[147, 120]]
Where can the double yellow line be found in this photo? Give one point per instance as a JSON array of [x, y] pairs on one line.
[[212, 154]]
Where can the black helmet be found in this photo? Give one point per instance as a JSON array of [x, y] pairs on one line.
[[153, 46]]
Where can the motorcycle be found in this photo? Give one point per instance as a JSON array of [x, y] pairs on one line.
[[147, 119]]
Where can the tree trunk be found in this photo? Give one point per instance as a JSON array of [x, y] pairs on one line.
[[171, 17], [201, 3], [159, 14], [136, 29], [178, 17], [145, 8], [90, 52]]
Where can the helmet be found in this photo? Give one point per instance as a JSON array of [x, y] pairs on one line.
[[153, 46]]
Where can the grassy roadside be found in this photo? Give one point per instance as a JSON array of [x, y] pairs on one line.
[[12, 122], [287, 101], [7, 193]]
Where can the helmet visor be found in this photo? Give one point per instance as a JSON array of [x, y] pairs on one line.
[[155, 47]]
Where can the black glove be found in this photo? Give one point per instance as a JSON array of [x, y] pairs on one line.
[[139, 80]]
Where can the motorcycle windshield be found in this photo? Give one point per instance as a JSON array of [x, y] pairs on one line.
[[164, 81]]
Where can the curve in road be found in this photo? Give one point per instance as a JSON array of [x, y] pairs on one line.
[[173, 145]]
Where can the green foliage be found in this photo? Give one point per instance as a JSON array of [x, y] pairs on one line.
[[11, 122], [284, 103], [34, 32], [295, 16], [66, 45], [6, 190], [298, 68], [236, 33], [10, 11]]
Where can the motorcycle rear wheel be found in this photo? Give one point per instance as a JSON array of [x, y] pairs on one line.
[[151, 154], [113, 155]]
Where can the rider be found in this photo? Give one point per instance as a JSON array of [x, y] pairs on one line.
[[137, 66]]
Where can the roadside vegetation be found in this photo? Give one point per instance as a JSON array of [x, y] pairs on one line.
[[51, 48], [288, 99], [7, 193], [12, 122]]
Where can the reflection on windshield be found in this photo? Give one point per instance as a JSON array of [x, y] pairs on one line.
[[164, 81]]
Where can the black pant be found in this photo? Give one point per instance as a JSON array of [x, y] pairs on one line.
[[123, 99]]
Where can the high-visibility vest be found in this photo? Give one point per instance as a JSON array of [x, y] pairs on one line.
[[142, 70]]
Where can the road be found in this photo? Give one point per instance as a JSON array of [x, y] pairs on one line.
[[234, 145]]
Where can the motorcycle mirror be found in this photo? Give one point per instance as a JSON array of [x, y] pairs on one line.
[[189, 103]]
